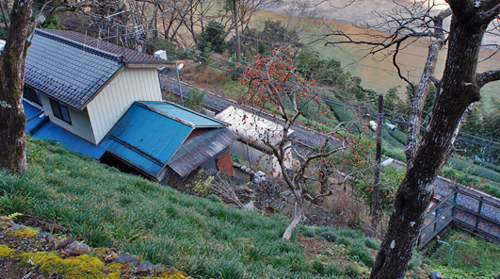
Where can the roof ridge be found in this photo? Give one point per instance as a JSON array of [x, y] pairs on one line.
[[78, 45]]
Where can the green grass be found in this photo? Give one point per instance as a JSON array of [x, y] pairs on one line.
[[477, 259], [202, 237]]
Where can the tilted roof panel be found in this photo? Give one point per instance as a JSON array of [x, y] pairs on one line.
[[200, 149], [145, 138]]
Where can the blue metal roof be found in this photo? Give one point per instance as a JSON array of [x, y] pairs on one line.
[[146, 136], [50, 131], [190, 117], [34, 115]]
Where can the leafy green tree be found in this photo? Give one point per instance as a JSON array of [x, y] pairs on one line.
[[391, 98], [213, 35], [195, 99]]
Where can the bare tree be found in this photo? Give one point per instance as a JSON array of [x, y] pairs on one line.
[[275, 85], [458, 88]]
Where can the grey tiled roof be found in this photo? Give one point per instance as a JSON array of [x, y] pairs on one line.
[[66, 70], [130, 56]]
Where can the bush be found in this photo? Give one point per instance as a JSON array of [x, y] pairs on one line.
[[329, 236], [333, 270], [319, 267], [353, 271], [372, 244], [361, 254], [195, 99], [308, 233], [213, 36], [214, 198]]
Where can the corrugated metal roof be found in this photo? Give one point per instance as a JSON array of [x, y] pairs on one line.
[[181, 113], [200, 149], [130, 56], [66, 70], [145, 138], [252, 128]]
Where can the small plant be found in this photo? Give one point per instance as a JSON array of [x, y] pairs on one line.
[[333, 270], [203, 187], [353, 271], [214, 198], [195, 99], [372, 244], [308, 233], [319, 267], [361, 254], [329, 236]]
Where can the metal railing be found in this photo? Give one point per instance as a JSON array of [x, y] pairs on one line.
[[464, 210]]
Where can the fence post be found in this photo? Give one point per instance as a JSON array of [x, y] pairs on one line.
[[454, 202], [479, 210]]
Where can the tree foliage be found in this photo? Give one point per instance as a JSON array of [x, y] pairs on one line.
[[213, 36]]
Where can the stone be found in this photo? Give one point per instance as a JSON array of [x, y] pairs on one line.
[[260, 173], [436, 275], [236, 165], [243, 168], [145, 266], [127, 258], [249, 205], [46, 235], [17, 227], [78, 247]]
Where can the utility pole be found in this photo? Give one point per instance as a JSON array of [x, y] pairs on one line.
[[376, 187]]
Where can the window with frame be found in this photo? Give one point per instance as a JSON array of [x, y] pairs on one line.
[[32, 95], [60, 111]]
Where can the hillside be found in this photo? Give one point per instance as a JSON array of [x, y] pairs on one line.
[[202, 237]]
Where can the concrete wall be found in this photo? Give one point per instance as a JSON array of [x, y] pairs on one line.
[[258, 158]]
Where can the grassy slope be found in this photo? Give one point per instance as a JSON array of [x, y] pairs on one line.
[[477, 259], [201, 237]]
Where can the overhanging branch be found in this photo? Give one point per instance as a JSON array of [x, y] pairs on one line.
[[486, 77]]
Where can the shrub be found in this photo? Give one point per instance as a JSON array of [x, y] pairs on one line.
[[195, 99], [353, 271], [372, 243], [212, 37], [319, 267], [308, 233], [214, 198], [333, 270], [361, 254], [329, 236]]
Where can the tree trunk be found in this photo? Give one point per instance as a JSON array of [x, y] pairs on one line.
[[458, 91], [12, 117], [238, 49], [297, 215]]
